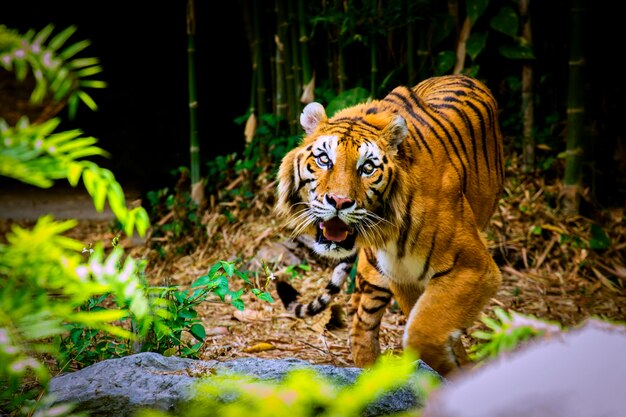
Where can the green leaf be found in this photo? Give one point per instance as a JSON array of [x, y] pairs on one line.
[[61, 37], [201, 281], [216, 267], [476, 43], [236, 295], [86, 72], [491, 323], [506, 21], [482, 335], [536, 230], [197, 331], [229, 268], [265, 296], [475, 8], [516, 52], [221, 289], [170, 351], [73, 173], [83, 62], [238, 304], [43, 34], [72, 50], [92, 83], [188, 313], [72, 106], [86, 98], [502, 315], [243, 276], [444, 62], [599, 239], [346, 99], [101, 316]]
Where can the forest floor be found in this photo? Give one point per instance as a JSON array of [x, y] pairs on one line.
[[563, 269]]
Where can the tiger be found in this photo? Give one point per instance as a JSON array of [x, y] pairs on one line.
[[404, 186]]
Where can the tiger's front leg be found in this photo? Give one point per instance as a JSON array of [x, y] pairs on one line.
[[367, 304], [450, 303]]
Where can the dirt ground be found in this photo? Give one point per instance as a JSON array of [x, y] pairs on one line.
[[543, 275]]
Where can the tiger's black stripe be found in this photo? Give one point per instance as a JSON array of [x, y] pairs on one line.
[[289, 295]]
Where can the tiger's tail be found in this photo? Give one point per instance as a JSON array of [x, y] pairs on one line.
[[289, 295]]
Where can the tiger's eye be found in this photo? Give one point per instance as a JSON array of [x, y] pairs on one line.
[[323, 160], [368, 168]]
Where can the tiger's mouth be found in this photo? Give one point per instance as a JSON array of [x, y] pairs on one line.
[[335, 230]]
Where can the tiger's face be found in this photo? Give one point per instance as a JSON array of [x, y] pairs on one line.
[[334, 186]]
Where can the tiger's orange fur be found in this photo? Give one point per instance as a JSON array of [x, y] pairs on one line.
[[408, 183]]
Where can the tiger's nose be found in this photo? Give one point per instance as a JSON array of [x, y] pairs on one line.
[[339, 202]]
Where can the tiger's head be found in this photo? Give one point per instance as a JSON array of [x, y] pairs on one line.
[[339, 183]]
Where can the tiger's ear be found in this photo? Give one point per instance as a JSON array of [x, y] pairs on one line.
[[312, 115], [395, 132]]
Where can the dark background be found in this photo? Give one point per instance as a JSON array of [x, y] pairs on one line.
[[143, 114]]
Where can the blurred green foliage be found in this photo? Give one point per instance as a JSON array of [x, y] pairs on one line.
[[58, 74]]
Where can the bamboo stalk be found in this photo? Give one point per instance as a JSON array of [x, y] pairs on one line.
[[410, 46], [528, 139], [373, 50], [461, 46], [281, 106], [295, 68], [197, 190], [342, 8], [572, 179], [258, 70], [423, 53], [307, 73]]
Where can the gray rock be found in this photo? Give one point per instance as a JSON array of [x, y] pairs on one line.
[[119, 387], [578, 373]]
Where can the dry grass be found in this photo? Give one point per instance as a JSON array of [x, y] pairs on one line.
[[548, 268]]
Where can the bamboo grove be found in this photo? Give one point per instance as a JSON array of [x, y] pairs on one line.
[[338, 52]]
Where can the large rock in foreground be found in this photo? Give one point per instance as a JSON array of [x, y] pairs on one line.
[[579, 373], [120, 387]]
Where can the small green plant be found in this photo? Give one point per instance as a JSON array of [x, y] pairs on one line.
[[296, 270], [176, 309], [507, 333], [45, 283]]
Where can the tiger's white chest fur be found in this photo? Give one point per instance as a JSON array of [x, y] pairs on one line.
[[406, 270]]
